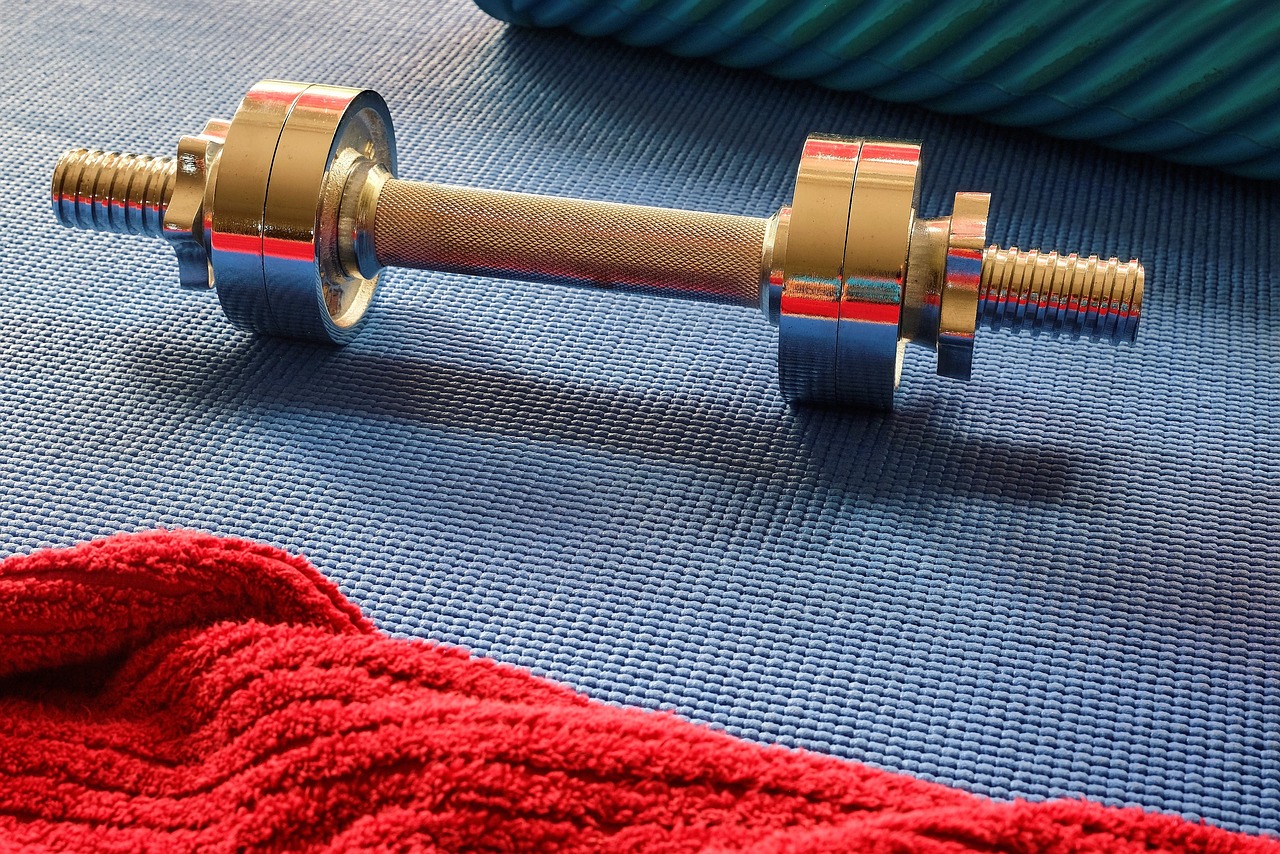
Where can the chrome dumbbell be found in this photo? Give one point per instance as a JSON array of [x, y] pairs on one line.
[[291, 210]]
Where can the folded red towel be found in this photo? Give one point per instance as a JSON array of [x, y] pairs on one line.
[[174, 691]]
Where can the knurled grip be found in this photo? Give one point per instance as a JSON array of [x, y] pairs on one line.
[[714, 257]]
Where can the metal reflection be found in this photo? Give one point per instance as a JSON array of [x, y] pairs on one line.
[[813, 268], [291, 210]]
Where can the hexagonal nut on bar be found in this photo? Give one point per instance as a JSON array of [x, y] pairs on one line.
[[184, 218]]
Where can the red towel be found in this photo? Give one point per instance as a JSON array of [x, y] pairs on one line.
[[174, 691]]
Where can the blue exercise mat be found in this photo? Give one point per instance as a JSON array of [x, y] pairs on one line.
[[1059, 579]]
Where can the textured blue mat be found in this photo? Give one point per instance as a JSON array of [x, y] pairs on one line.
[[1060, 579]]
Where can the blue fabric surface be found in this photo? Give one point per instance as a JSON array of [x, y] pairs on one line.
[[1060, 579]]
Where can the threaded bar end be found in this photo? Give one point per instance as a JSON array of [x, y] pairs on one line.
[[1060, 294], [111, 191]]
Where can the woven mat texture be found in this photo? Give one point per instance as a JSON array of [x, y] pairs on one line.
[[1060, 579]]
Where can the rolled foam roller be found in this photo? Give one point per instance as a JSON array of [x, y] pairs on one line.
[[1190, 86]]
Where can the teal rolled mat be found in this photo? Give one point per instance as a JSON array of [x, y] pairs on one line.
[[1194, 82]]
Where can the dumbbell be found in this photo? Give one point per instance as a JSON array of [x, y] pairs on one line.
[[291, 210]]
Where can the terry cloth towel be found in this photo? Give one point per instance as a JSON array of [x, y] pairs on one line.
[[174, 691]]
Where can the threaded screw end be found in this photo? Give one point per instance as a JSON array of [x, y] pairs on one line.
[[111, 191], [1060, 294]]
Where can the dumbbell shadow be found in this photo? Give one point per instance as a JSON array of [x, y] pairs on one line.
[[753, 437]]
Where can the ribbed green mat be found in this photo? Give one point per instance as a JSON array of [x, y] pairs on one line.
[[1194, 82]]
